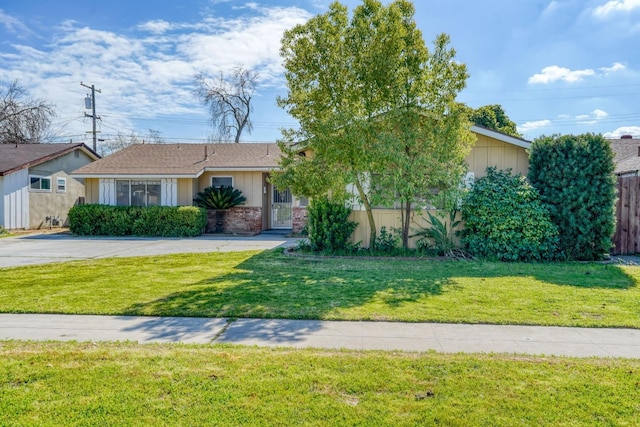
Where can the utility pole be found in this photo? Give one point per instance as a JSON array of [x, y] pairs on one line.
[[93, 113]]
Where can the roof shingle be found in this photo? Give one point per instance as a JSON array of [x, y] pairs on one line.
[[187, 160], [16, 157]]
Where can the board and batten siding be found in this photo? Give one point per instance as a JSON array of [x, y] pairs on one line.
[[14, 206], [491, 152], [250, 183], [486, 152]]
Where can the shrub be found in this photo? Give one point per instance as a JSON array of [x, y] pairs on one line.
[[574, 175], [161, 221], [386, 241], [329, 226], [224, 197], [439, 237], [505, 220]]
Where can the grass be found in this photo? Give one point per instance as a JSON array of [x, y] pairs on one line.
[[47, 384], [270, 284]]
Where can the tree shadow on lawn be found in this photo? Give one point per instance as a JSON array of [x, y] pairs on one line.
[[269, 285], [579, 275]]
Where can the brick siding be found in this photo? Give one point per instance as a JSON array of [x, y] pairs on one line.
[[240, 220], [300, 215]]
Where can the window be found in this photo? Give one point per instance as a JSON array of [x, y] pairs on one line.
[[39, 183], [138, 192], [221, 181], [61, 185]]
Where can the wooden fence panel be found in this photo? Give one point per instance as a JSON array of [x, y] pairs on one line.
[[626, 239]]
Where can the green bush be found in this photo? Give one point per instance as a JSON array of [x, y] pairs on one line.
[[386, 241], [224, 197], [160, 221], [505, 220], [439, 237], [329, 226], [574, 176]]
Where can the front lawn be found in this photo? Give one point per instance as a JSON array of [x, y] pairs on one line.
[[270, 284], [54, 384]]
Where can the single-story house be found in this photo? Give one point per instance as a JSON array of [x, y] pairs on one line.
[[492, 148], [36, 189], [173, 174]]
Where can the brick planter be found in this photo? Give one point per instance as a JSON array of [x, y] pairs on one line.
[[237, 220], [299, 215]]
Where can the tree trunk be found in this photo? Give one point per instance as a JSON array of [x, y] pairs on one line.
[[405, 216], [372, 223]]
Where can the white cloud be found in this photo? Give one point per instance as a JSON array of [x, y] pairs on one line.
[[529, 126], [592, 118], [12, 24], [615, 67], [625, 130], [555, 73], [616, 6], [149, 74], [156, 27]]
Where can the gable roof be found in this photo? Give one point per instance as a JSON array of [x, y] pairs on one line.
[[15, 157], [183, 160], [501, 136], [626, 155]]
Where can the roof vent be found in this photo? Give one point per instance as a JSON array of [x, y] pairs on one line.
[[626, 137]]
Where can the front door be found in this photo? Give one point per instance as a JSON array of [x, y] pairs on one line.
[[281, 209]]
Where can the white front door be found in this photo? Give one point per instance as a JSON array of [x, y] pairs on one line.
[[281, 208]]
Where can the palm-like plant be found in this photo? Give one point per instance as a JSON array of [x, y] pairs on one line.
[[224, 197]]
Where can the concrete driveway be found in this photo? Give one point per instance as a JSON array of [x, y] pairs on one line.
[[46, 248]]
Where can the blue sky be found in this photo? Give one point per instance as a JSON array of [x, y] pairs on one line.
[[556, 66]]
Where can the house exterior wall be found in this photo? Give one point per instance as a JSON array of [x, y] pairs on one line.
[[486, 152], [491, 152], [56, 203], [91, 190], [185, 191], [14, 206], [389, 218], [250, 183]]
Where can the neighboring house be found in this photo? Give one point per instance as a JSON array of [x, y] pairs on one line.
[[173, 174], [626, 152], [492, 148], [36, 189]]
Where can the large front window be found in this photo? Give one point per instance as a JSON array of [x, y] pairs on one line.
[[140, 192]]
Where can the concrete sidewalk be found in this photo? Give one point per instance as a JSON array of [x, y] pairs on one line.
[[448, 338]]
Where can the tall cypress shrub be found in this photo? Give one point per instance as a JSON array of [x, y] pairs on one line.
[[574, 175]]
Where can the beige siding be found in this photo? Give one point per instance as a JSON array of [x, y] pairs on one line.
[[185, 192], [389, 218], [486, 152], [491, 152], [250, 183], [91, 189]]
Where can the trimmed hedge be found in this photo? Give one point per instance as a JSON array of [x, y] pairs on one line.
[[505, 220], [158, 221], [574, 175]]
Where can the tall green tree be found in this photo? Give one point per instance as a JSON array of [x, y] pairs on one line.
[[494, 117], [574, 175], [372, 103]]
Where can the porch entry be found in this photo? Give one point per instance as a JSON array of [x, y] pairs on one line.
[[281, 208]]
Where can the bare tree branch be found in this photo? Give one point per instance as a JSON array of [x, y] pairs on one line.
[[229, 101], [22, 119]]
